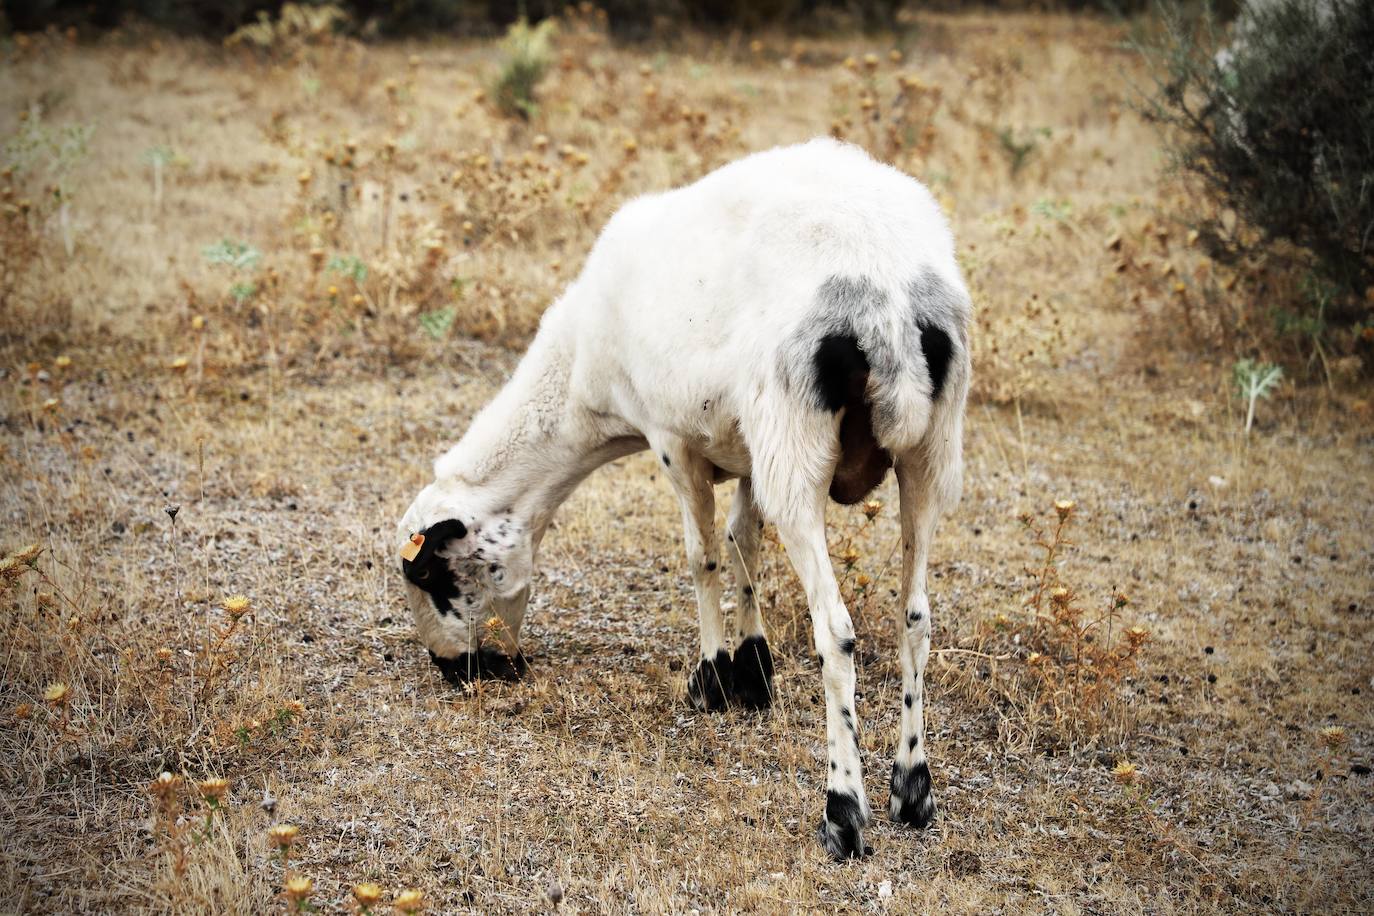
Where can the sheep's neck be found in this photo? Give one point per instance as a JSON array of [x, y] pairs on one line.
[[535, 442]]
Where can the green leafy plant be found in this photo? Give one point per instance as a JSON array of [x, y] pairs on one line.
[[349, 266], [437, 323], [1254, 381], [232, 254], [1019, 145], [528, 51]]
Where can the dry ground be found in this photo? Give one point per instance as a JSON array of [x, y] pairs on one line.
[[302, 421]]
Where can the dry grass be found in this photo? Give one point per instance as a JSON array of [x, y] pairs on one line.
[[291, 424]]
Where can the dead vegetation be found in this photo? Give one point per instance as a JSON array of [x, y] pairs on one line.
[[248, 294]]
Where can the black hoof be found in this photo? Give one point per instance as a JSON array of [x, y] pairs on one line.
[[912, 802], [753, 687], [841, 830], [710, 684], [484, 664]]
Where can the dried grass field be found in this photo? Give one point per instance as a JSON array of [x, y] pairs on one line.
[[248, 296]]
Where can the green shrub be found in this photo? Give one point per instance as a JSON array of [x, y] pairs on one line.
[[528, 53], [1279, 128]]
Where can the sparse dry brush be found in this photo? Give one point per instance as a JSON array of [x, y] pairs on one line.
[[247, 293]]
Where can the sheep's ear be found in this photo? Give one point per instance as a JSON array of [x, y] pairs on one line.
[[420, 569]]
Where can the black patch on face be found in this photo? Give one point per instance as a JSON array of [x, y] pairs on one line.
[[429, 571], [841, 371], [841, 830], [847, 646], [666, 462], [484, 664], [939, 350], [753, 684], [912, 803], [708, 689]]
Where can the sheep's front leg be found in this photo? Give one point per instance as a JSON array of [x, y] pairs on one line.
[[846, 807], [912, 801], [753, 660], [711, 682]]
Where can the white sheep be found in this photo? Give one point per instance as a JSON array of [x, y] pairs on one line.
[[795, 320]]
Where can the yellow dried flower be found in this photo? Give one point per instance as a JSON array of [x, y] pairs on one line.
[[236, 606], [1124, 772], [1060, 596], [214, 788], [1064, 507], [23, 710], [163, 655], [850, 556], [1333, 736], [56, 693], [51, 404], [410, 901], [29, 555], [179, 364], [62, 362], [283, 835], [872, 508], [367, 893], [298, 887]]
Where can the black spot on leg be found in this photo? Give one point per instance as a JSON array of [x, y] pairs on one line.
[[841, 830], [710, 565], [912, 802], [908, 700], [832, 766], [753, 671], [847, 646], [913, 618], [749, 591], [710, 685], [912, 742]]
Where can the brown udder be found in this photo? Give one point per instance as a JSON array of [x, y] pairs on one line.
[[863, 462]]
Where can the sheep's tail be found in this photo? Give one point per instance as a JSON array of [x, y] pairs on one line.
[[899, 370]]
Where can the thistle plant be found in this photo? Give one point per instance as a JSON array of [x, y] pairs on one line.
[[1254, 381]]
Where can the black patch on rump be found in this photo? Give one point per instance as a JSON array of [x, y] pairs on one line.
[[710, 685], [842, 383], [939, 350], [484, 664], [753, 683], [430, 572], [912, 803]]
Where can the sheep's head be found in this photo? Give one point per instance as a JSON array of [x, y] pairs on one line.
[[467, 574]]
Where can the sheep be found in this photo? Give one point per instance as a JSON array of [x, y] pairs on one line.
[[795, 320]]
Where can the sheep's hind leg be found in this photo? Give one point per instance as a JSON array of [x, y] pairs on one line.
[[711, 682], [912, 801], [753, 661]]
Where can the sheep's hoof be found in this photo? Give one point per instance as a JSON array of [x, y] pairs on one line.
[[484, 664], [912, 802], [753, 674], [710, 684], [841, 830]]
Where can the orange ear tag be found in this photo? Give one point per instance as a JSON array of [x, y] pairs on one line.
[[412, 548]]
